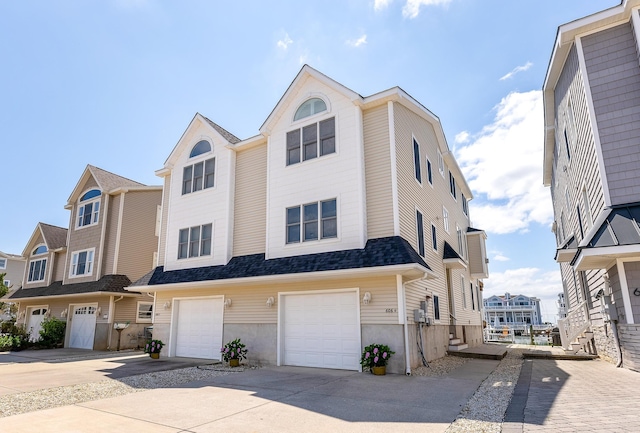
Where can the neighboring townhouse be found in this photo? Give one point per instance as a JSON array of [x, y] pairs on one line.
[[591, 164], [517, 312], [12, 266], [345, 222], [79, 274]]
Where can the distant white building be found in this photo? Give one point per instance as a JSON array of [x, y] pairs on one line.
[[514, 311], [562, 306]]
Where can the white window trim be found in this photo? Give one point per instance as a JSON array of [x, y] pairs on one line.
[[440, 163], [427, 163], [138, 319], [7, 283], [82, 204], [92, 263], [434, 229], [424, 245], [325, 115], [3, 263], [464, 292], [202, 158], [445, 219], [315, 115], [199, 242], [44, 277], [415, 142], [302, 241]]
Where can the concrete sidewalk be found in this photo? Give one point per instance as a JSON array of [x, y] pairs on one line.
[[574, 396], [275, 399]]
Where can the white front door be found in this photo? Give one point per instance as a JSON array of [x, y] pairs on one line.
[[83, 326], [36, 316], [321, 330], [199, 328]]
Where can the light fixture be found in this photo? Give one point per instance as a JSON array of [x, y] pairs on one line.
[[227, 302], [270, 301], [167, 305], [21, 315], [99, 311], [64, 313], [366, 298], [47, 314]]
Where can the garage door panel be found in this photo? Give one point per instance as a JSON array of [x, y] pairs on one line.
[[83, 327], [199, 328], [321, 330]]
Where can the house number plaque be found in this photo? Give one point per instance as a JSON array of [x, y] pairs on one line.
[[391, 310]]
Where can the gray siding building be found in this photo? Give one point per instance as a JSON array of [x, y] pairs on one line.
[[591, 164]]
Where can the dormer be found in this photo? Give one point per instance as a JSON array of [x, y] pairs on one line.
[[199, 185], [46, 245]]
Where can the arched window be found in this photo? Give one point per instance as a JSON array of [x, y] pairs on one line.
[[40, 250], [89, 208], [309, 108], [202, 146]]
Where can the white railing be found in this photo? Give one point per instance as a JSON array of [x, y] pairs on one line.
[[576, 322], [505, 335]]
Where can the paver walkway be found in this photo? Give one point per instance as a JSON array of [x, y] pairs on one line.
[[574, 396]]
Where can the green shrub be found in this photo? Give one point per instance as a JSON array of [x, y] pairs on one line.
[[17, 338], [52, 332]]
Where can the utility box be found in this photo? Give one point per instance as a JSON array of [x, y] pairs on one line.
[[419, 316]]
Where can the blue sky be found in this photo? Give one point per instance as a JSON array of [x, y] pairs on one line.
[[114, 83]]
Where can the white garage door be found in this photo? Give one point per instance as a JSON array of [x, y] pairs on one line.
[[321, 330], [199, 328], [83, 327]]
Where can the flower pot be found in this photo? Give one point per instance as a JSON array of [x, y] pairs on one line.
[[234, 362], [154, 355], [379, 371]]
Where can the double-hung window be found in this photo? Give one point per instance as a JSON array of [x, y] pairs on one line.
[[3, 263], [416, 161], [195, 241], [436, 307], [440, 163], [82, 263], [198, 176], [429, 172], [145, 312], [460, 235], [465, 205], [434, 237], [89, 208], [37, 270], [311, 141], [312, 221], [452, 185], [445, 219], [420, 231]]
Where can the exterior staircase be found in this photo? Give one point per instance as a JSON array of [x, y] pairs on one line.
[[455, 344], [575, 333]]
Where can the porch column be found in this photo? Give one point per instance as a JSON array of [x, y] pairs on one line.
[[624, 287]]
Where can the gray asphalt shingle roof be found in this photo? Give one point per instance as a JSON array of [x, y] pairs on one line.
[[108, 283]]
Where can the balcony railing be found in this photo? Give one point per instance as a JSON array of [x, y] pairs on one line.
[[509, 307]]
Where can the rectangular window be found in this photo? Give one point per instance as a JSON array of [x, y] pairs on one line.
[[145, 312], [580, 221], [464, 292], [440, 163], [88, 214], [416, 161], [460, 235], [436, 307], [420, 231], [198, 176], [473, 300], [566, 143], [434, 239], [82, 263], [317, 139], [465, 205], [429, 172], [445, 219], [37, 270], [3, 263], [7, 283], [452, 185], [312, 221], [195, 241]]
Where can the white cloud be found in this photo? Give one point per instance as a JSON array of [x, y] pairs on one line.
[[412, 8], [285, 42], [379, 5], [516, 70], [499, 257], [503, 166], [462, 137], [357, 42], [530, 282]]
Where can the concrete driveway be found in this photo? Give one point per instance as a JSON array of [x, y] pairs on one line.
[[273, 399]]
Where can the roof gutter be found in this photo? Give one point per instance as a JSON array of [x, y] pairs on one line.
[[74, 295]]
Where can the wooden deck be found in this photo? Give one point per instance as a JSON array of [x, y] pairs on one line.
[[484, 351]]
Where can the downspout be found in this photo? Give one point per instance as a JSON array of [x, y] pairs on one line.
[[407, 356]]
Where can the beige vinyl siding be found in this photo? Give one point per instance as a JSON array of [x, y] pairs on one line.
[[414, 294], [14, 272], [475, 254], [59, 266], [249, 230], [162, 241], [111, 234], [249, 303], [127, 308], [377, 163], [138, 241], [430, 201]]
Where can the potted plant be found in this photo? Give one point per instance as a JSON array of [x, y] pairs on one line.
[[153, 348], [375, 357], [233, 352]]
